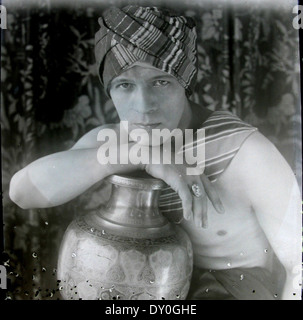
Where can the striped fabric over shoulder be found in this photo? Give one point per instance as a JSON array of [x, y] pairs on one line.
[[224, 135]]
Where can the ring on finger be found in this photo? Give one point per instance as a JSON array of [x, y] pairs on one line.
[[196, 190]]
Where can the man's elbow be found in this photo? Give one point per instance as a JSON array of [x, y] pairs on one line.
[[23, 193], [16, 192]]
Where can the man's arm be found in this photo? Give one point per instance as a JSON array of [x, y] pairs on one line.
[[60, 177], [275, 197], [57, 178]]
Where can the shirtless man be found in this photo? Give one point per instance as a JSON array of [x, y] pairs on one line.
[[246, 226]]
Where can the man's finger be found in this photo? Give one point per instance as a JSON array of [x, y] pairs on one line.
[[204, 213], [212, 194], [200, 211]]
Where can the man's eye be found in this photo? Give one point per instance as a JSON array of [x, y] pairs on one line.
[[160, 83], [124, 85]]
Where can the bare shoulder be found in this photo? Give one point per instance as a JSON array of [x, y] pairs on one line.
[[89, 140], [259, 163], [257, 153], [257, 145]]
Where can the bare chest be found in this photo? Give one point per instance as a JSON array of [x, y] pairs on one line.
[[232, 239]]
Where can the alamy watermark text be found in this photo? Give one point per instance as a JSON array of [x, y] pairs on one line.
[[153, 147]]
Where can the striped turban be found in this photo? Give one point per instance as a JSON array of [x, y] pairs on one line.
[[146, 34]]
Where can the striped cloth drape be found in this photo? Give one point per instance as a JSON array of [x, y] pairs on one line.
[[224, 135]]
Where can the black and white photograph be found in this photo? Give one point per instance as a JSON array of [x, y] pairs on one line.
[[151, 150]]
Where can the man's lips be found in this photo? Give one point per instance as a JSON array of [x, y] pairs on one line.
[[147, 125]]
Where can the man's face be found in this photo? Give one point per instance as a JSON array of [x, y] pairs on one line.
[[149, 98]]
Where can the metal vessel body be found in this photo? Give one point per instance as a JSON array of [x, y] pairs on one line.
[[126, 251]]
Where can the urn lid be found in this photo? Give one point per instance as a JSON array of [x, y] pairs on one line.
[[138, 180]]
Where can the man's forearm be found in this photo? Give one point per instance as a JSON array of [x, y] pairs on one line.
[[56, 179], [60, 177]]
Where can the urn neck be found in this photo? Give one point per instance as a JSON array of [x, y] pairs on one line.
[[134, 202], [122, 196]]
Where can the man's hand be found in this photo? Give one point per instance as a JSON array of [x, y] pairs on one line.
[[176, 177]]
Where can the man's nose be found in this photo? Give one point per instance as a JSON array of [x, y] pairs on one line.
[[145, 101]]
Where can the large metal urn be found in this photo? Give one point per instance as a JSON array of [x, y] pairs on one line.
[[128, 250]]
